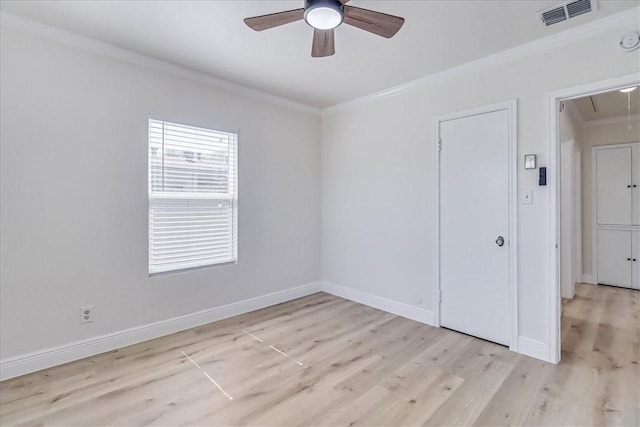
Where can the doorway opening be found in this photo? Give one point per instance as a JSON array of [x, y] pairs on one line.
[[593, 131]]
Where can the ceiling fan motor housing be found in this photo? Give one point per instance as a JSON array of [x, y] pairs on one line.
[[323, 14]]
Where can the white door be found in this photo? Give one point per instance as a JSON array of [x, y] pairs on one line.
[[614, 257], [635, 254], [613, 186], [635, 184], [474, 225]]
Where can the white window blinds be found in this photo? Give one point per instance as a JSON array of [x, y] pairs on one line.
[[193, 197]]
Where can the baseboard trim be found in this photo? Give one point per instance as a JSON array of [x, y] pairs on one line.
[[47, 358], [527, 346], [533, 348], [390, 306], [588, 278], [43, 359]]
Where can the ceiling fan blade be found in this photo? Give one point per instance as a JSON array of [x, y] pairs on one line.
[[323, 43], [264, 22], [344, 1], [378, 23]]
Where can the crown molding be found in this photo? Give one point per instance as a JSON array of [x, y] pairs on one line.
[[28, 26], [629, 18], [17, 23], [610, 121]]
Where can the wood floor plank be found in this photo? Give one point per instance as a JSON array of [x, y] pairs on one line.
[[322, 360], [414, 402], [511, 403], [483, 375]]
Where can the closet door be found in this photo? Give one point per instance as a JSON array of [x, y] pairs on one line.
[[614, 257], [474, 225], [635, 256], [635, 184], [613, 186]]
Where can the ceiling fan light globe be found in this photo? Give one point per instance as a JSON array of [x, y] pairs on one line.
[[323, 15]]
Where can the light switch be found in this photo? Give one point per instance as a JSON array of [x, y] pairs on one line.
[[526, 197]]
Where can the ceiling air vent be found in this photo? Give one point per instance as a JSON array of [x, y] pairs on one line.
[[554, 16], [578, 8], [565, 11]]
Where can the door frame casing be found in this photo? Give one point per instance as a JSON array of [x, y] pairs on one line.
[[512, 109], [553, 176]]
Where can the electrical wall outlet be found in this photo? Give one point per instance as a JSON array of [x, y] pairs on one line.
[[86, 314]]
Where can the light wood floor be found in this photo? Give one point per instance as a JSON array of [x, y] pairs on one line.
[[322, 360]]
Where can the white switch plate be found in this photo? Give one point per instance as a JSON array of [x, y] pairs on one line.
[[526, 197]]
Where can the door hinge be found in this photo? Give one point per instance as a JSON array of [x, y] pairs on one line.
[[561, 106], [440, 297], [439, 145]]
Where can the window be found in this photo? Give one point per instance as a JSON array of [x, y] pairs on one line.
[[193, 197]]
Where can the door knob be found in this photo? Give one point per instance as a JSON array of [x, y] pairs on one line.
[[500, 241]]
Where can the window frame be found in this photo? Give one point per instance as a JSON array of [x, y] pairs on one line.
[[230, 197]]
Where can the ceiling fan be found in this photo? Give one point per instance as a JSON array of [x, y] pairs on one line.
[[324, 16]]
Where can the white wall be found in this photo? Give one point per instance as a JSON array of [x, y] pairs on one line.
[[570, 205], [378, 174], [570, 216], [74, 195], [73, 188], [588, 137]]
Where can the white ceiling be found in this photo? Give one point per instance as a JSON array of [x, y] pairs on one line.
[[608, 105], [210, 37]]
